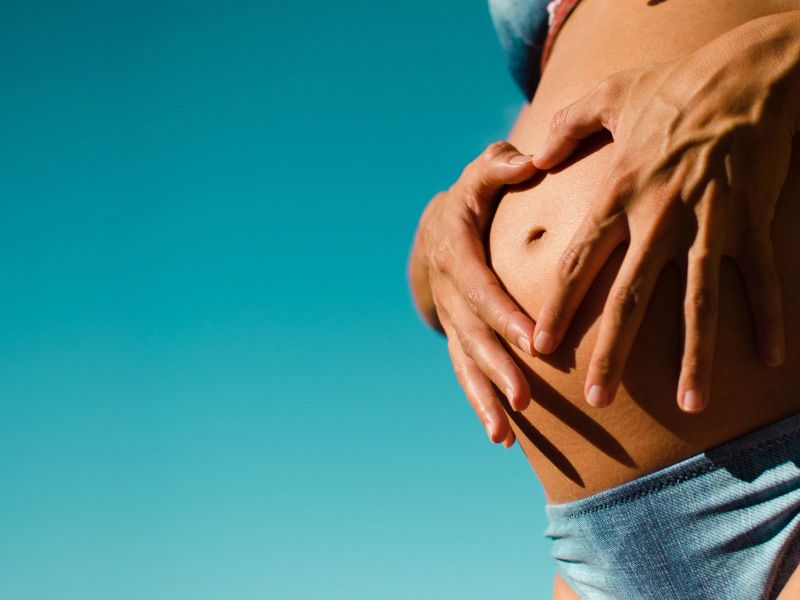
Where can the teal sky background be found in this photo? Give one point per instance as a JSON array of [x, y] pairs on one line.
[[213, 383]]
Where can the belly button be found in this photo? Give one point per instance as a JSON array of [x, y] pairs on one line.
[[535, 235]]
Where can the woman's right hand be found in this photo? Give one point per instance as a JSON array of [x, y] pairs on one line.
[[456, 291]]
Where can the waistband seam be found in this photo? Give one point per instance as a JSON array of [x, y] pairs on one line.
[[674, 480]]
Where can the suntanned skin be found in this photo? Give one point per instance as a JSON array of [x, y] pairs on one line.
[[577, 450]]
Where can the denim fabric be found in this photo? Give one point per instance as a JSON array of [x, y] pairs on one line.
[[522, 28], [722, 524]]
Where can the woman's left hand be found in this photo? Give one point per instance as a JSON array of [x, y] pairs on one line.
[[702, 146]]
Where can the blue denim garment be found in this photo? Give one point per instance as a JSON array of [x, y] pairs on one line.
[[522, 28], [722, 524]]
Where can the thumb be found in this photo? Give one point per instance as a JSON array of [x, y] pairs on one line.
[[499, 165], [575, 122]]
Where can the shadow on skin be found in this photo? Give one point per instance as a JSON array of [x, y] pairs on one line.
[[561, 408], [651, 375], [542, 444], [564, 359], [569, 414], [654, 365]]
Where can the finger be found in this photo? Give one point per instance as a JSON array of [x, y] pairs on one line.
[[700, 306], [486, 298], [498, 165], [481, 345], [764, 294], [757, 178], [479, 391], [501, 163], [599, 109], [510, 438], [600, 232], [622, 315], [469, 280]]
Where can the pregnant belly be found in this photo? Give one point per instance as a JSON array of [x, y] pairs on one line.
[[575, 449]]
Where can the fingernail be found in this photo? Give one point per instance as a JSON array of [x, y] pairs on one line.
[[489, 432], [774, 356], [597, 396], [692, 401], [544, 342], [520, 159], [525, 344], [519, 405]]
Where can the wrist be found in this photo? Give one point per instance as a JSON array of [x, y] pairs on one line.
[[791, 26], [751, 72], [771, 46]]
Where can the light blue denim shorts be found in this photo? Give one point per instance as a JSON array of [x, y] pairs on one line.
[[722, 524]]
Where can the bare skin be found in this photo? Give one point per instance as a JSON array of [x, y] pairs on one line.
[[576, 449], [533, 225], [702, 146]]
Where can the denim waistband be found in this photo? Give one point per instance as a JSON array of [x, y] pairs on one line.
[[714, 458], [724, 523]]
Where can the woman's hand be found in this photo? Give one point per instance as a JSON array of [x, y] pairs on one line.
[[701, 150], [455, 291]]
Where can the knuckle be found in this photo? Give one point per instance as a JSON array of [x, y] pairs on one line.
[[476, 298], [559, 123], [606, 88], [701, 303], [617, 82], [626, 301], [467, 194], [621, 182], [695, 366], [571, 262], [607, 94], [442, 258], [494, 150], [702, 254], [470, 341], [503, 324], [505, 321], [474, 201], [605, 365]]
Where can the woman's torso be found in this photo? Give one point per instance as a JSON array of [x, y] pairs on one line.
[[575, 449]]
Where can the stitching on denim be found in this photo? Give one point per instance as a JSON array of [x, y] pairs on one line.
[[691, 474]]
